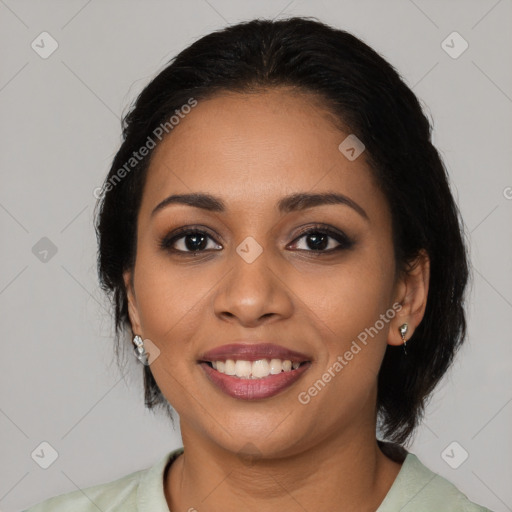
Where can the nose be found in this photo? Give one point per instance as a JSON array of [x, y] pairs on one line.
[[253, 293]]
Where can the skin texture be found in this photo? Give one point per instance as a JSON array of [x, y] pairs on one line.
[[251, 150]]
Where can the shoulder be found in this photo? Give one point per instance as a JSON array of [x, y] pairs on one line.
[[98, 497], [419, 489], [124, 494]]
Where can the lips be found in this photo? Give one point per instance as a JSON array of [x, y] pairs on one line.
[[286, 367], [253, 352]]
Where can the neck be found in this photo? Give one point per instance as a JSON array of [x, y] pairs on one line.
[[344, 473]]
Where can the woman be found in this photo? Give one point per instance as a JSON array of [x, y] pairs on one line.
[[278, 235]]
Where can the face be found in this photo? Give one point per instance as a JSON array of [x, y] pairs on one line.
[[315, 278]]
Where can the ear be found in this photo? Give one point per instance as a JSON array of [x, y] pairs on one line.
[[412, 293], [133, 312]]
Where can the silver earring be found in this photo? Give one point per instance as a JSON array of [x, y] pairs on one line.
[[403, 329], [140, 351]]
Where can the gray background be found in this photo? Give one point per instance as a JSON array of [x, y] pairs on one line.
[[59, 130]]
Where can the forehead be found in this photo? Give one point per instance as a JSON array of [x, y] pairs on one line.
[[256, 147]]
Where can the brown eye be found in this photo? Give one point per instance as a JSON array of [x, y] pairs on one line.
[[322, 239], [188, 241]]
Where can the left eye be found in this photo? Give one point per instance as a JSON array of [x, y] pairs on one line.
[[318, 240]]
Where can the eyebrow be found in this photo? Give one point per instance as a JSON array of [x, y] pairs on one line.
[[291, 203]]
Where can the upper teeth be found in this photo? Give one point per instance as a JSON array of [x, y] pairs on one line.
[[254, 369]]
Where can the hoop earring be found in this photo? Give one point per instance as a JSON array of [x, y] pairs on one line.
[[140, 351], [403, 329]]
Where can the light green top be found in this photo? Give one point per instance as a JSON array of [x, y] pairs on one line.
[[415, 489]]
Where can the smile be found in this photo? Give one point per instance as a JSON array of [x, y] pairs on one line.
[[254, 369], [253, 380]]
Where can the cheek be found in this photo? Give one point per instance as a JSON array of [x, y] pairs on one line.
[[169, 296], [354, 305], [354, 309], [349, 298]]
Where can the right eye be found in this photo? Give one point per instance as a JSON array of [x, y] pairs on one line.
[[187, 240]]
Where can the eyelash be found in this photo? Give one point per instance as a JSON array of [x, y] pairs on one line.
[[344, 241]]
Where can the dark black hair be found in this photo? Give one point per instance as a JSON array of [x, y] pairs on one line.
[[363, 92]]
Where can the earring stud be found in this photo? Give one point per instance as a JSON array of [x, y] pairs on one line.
[[140, 351], [403, 329]]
